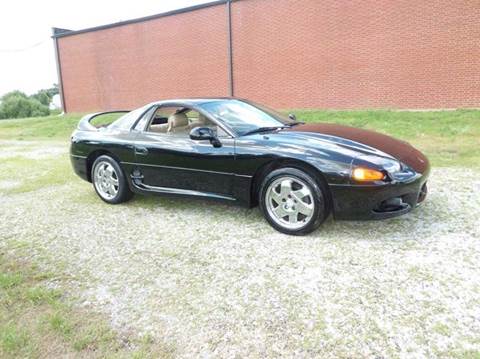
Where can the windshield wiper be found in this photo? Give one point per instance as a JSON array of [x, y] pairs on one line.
[[295, 124], [271, 128], [263, 129]]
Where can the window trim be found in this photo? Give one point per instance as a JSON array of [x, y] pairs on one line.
[[132, 128], [141, 117]]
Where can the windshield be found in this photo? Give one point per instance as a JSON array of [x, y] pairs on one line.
[[243, 117]]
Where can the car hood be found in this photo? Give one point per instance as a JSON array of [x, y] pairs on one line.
[[366, 141]]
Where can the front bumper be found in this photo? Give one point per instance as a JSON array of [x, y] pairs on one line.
[[364, 202]]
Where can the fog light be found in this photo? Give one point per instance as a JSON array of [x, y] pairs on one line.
[[367, 174]]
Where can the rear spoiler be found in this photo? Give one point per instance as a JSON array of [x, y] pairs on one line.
[[85, 125]]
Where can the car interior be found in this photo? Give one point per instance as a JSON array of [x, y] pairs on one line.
[[179, 121]]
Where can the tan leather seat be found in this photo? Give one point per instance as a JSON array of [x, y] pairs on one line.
[[178, 122], [162, 128], [202, 121]]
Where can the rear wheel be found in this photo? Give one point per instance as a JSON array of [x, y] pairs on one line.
[[292, 201], [109, 181]]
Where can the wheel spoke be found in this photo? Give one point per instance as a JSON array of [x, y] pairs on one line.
[[277, 197], [285, 188], [301, 193], [111, 190], [304, 207], [280, 212], [113, 181], [293, 218], [108, 172]]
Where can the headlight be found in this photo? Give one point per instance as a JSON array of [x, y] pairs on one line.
[[363, 174], [392, 166], [374, 168]]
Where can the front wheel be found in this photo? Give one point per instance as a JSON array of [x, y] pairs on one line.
[[109, 181], [292, 201]]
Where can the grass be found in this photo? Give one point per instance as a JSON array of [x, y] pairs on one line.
[[37, 321], [448, 138], [39, 128], [54, 127], [35, 174]]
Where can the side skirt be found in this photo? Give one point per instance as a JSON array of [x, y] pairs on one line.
[[142, 187]]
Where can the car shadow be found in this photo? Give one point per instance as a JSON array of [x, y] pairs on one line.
[[431, 216]]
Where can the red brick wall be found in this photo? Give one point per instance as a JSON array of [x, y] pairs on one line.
[[128, 66], [287, 54]]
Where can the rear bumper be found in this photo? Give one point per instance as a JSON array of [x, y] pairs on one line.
[[357, 202], [79, 164]]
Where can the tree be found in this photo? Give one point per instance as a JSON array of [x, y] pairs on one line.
[[45, 96], [15, 93], [42, 97], [16, 104]]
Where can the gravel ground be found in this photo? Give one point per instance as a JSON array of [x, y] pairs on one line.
[[212, 280]]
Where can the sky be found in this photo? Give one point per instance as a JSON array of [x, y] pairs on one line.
[[27, 58]]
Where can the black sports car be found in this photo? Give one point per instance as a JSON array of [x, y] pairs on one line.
[[234, 150]]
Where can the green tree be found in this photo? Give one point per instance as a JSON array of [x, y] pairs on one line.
[[45, 96], [16, 104], [15, 93], [42, 97]]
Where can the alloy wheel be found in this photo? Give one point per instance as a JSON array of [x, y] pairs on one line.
[[289, 202], [106, 180]]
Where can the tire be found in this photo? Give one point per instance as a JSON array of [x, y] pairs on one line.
[[109, 181], [292, 201]]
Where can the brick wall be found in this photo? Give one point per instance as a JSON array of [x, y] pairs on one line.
[[287, 54], [128, 66]]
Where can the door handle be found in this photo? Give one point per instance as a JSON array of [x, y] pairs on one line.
[[141, 151]]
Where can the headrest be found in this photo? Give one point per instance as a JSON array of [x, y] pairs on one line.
[[177, 120], [202, 120]]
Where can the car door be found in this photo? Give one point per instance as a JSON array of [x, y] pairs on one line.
[[172, 162]]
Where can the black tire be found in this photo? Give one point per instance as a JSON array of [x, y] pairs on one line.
[[317, 196], [121, 192]]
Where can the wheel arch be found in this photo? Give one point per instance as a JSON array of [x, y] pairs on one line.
[[260, 174]]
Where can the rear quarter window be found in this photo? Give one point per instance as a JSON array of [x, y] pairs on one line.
[[126, 121]]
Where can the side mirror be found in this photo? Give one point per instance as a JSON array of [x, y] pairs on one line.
[[205, 133], [292, 117]]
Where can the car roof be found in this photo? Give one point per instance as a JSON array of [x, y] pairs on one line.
[[197, 101]]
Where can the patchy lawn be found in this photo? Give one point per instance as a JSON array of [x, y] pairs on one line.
[[38, 321], [148, 278], [53, 128]]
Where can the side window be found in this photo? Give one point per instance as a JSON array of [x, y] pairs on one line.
[[159, 120], [196, 119], [179, 121]]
